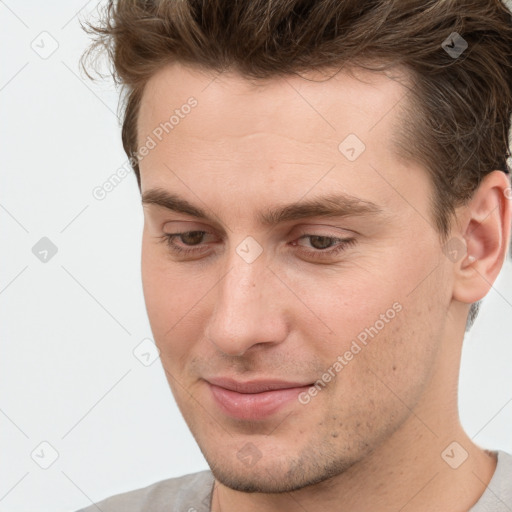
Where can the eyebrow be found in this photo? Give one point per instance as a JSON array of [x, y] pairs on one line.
[[331, 205]]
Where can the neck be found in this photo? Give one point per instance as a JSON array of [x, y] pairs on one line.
[[407, 473], [422, 467]]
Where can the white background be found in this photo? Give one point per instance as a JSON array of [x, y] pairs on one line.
[[68, 327]]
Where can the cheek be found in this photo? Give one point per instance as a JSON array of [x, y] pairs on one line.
[[385, 335], [169, 300], [395, 366], [354, 308]]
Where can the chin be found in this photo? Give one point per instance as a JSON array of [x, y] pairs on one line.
[[250, 481], [273, 478]]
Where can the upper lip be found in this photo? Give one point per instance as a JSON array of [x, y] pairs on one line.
[[254, 386]]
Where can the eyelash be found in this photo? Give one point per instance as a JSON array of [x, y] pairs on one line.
[[343, 244]]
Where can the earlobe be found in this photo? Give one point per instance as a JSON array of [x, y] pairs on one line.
[[486, 230]]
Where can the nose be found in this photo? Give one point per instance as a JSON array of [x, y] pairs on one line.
[[249, 308]]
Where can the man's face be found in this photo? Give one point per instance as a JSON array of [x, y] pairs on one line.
[[356, 303]]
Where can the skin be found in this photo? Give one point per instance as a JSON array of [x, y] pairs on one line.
[[375, 433]]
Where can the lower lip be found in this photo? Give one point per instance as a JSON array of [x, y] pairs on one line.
[[253, 406]]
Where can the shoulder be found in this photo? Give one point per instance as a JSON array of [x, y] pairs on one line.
[[187, 493], [502, 480], [497, 496]]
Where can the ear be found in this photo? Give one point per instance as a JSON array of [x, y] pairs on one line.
[[486, 230]]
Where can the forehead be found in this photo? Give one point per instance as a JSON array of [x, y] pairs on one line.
[[275, 140], [308, 108]]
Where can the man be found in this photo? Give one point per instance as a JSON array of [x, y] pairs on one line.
[[326, 201]]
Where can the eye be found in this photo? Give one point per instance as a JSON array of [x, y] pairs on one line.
[[322, 246], [189, 238]]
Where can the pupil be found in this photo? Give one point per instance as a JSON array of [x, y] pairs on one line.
[[324, 239], [193, 237]]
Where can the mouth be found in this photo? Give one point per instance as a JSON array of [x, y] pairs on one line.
[[253, 400]]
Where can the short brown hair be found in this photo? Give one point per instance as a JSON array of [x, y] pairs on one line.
[[456, 124]]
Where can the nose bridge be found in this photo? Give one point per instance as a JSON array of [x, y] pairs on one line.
[[246, 310]]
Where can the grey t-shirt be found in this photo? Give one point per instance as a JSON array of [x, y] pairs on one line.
[[192, 493]]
